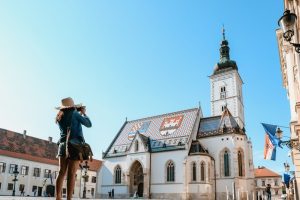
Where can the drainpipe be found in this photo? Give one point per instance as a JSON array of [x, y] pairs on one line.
[[150, 178], [215, 180], [150, 150]]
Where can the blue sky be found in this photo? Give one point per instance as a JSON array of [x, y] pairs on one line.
[[135, 59]]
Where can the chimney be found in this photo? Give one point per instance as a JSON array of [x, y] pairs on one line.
[[24, 134], [50, 139]]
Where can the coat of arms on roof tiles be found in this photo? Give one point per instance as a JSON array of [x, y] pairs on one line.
[[140, 127], [170, 125]]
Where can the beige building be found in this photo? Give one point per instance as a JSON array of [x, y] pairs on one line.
[[265, 176], [37, 166], [289, 60]]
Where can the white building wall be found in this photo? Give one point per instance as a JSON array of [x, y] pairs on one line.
[[233, 143], [234, 97], [29, 181]]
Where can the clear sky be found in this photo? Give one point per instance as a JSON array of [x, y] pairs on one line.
[[135, 59]]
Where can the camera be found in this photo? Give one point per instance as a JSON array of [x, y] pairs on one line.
[[80, 108]]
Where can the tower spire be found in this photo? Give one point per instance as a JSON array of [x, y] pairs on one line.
[[223, 32]]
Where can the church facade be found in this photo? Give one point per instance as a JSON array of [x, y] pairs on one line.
[[184, 155]]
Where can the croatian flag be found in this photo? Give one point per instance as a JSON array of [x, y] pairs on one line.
[[270, 149], [271, 142]]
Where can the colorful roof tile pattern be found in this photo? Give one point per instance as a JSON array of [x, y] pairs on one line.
[[264, 172], [162, 130], [25, 147]]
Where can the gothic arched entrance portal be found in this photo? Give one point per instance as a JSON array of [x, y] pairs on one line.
[[136, 179]]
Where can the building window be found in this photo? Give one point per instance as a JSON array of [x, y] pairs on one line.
[[86, 179], [24, 170], [223, 108], [223, 92], [170, 172], [202, 171], [255, 182], [0, 185], [275, 182], [34, 188], [47, 173], [64, 190], [118, 173], [263, 183], [12, 168], [94, 179], [240, 163], [136, 146], [92, 191], [2, 167], [21, 187], [194, 172], [36, 172], [10, 186], [226, 164]]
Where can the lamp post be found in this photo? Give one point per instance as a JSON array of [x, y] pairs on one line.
[[287, 24], [15, 172], [85, 168], [287, 170], [291, 143]]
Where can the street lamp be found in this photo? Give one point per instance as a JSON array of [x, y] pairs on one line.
[[286, 167], [15, 172], [85, 176], [291, 144], [287, 24]]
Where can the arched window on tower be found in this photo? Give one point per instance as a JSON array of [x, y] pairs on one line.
[[240, 163], [170, 171], [194, 171], [118, 173], [223, 92], [136, 146], [226, 163], [202, 171]]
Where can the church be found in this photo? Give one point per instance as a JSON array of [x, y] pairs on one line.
[[184, 155]]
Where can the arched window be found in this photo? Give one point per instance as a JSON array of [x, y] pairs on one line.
[[240, 163], [226, 163], [202, 171], [170, 171], [118, 173], [136, 148], [194, 172]]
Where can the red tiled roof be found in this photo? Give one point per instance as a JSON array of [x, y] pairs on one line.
[[264, 172], [18, 145]]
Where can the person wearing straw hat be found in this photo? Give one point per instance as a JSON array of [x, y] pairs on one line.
[[69, 118]]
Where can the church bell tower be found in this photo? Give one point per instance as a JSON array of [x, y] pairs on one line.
[[226, 86]]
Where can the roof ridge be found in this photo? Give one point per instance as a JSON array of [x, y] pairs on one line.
[[2, 129], [216, 116], [155, 116]]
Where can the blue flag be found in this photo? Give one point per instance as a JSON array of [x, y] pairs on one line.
[[271, 131], [286, 178]]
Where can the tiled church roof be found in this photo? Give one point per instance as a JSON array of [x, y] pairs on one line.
[[216, 125], [169, 129], [25, 147]]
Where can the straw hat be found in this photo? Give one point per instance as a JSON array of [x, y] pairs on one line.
[[68, 103]]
